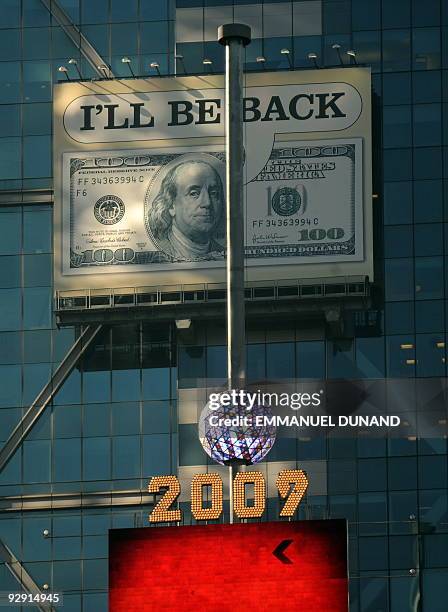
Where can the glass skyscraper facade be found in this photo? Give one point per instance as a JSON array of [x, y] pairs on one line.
[[122, 415]]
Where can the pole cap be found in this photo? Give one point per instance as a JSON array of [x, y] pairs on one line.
[[231, 31]]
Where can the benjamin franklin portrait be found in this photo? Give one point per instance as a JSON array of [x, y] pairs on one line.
[[186, 212]]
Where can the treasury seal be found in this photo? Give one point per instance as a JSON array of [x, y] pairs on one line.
[[286, 201], [109, 210]]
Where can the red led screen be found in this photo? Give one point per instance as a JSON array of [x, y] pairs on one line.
[[278, 566]]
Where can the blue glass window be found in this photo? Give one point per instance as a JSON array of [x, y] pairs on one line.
[[37, 307], [399, 281], [125, 385], [96, 420], [11, 387], [36, 81], [310, 359], [428, 201], [428, 239], [155, 10], [96, 387], [341, 359], [10, 270], [95, 12], [427, 86], [368, 49], [337, 17], [397, 203], [36, 118], [426, 48], [37, 270], [37, 346], [10, 158], [125, 418], [216, 362], [123, 11], [9, 120], [280, 360], [34, 13], [426, 13], [154, 37], [430, 359], [400, 360], [256, 362], [370, 357], [397, 164], [36, 43], [156, 417], [366, 14], [36, 156], [427, 125], [156, 455], [67, 421], [67, 460], [428, 278], [396, 14], [397, 126], [9, 82], [98, 35], [96, 459], [429, 316], [36, 460], [11, 301], [398, 241], [35, 376], [10, 14], [191, 365], [427, 163], [126, 457], [37, 230], [10, 44], [10, 347], [397, 88], [396, 49]]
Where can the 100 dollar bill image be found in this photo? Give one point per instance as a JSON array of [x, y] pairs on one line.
[[156, 210]]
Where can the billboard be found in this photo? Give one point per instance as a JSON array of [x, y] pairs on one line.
[[140, 179], [257, 566]]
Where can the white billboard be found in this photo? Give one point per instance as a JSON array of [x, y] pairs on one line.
[[140, 179]]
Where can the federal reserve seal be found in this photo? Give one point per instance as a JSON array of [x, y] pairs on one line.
[[109, 210], [286, 201]]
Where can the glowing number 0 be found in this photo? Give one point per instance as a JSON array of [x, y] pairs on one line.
[[284, 481], [239, 494], [197, 489], [162, 512]]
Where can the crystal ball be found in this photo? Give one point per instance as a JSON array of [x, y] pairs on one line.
[[234, 434]]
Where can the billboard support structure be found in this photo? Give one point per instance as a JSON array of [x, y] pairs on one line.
[[234, 36]]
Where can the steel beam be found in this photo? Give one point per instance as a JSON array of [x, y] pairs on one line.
[[48, 392], [76, 36]]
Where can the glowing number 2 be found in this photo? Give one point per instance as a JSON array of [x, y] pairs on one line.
[[162, 513], [284, 481]]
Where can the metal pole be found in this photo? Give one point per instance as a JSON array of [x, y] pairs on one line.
[[235, 37], [231, 494]]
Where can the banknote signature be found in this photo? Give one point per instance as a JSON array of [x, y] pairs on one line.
[[256, 238]]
